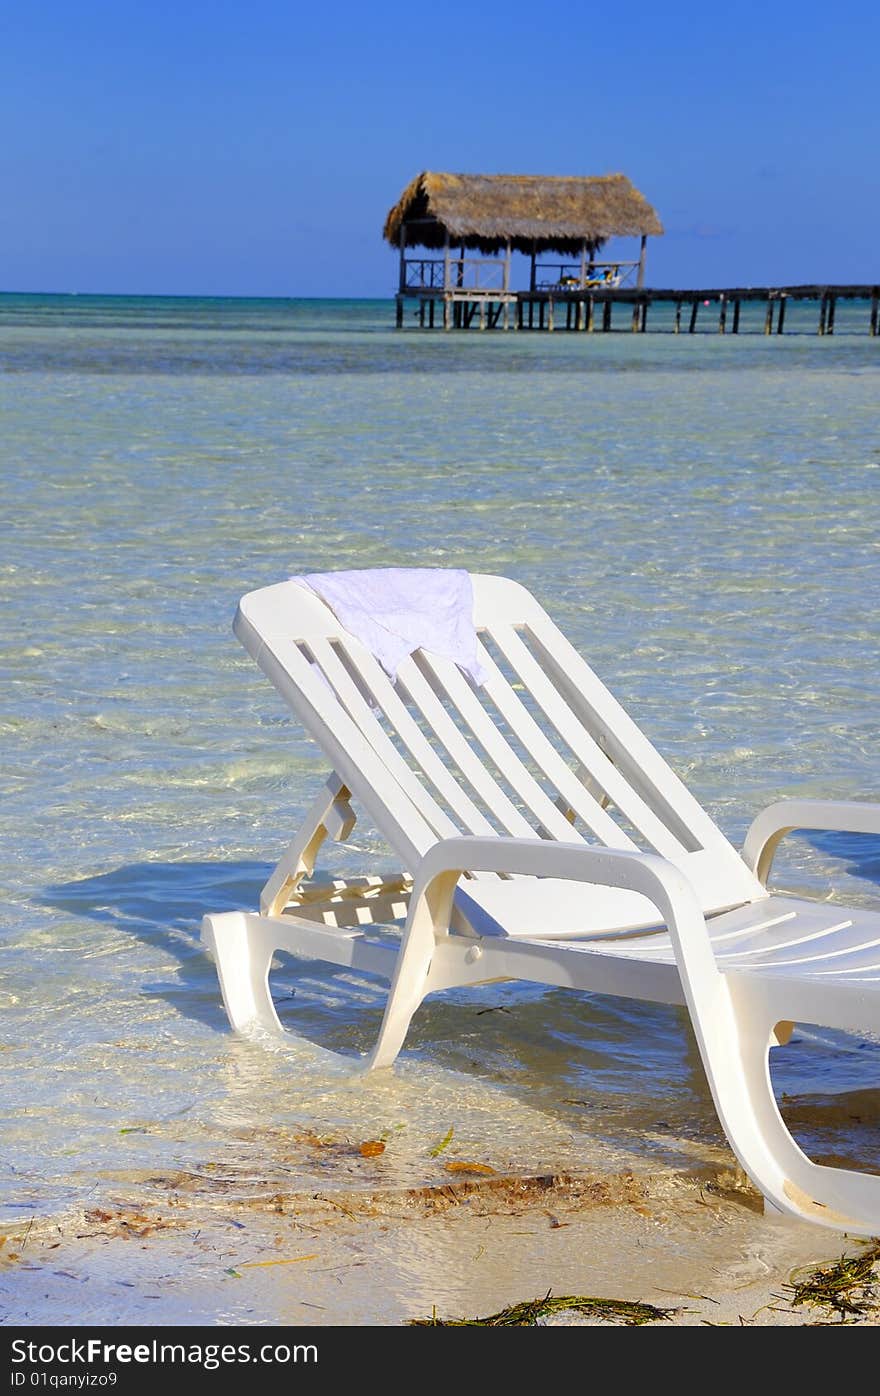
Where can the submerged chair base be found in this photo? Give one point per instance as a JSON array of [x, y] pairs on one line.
[[738, 1013]]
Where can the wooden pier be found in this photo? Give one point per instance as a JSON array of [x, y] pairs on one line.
[[604, 309], [455, 236]]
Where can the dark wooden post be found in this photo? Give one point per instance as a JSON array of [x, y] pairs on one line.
[[695, 305], [606, 316], [532, 276], [446, 286], [677, 329], [505, 285], [637, 315], [591, 307], [832, 302], [875, 309], [781, 320], [722, 316], [736, 305], [459, 274], [768, 318], [640, 281], [583, 263], [823, 312], [401, 278]]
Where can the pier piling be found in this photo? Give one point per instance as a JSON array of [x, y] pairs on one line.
[[575, 308]]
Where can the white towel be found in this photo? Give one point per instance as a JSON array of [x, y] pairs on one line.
[[395, 610]]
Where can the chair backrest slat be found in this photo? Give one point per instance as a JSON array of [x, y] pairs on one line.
[[449, 679], [571, 787], [628, 747], [583, 745], [359, 710], [459, 750], [387, 697]]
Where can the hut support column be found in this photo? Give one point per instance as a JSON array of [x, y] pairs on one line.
[[722, 316], [695, 305], [549, 314], [606, 316], [591, 307], [832, 302], [532, 273], [677, 327], [768, 318], [736, 305], [401, 281], [781, 319], [640, 281], [823, 312], [875, 308]]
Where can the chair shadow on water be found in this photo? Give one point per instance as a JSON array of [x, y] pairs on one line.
[[161, 904]]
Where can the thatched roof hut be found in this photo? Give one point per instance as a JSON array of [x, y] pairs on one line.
[[533, 213]]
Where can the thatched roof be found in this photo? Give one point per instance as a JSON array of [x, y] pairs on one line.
[[557, 212]]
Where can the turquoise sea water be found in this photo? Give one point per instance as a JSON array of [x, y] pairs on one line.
[[701, 516]]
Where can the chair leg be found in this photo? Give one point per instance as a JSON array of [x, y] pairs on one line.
[[429, 913], [243, 958], [330, 816], [735, 1046]]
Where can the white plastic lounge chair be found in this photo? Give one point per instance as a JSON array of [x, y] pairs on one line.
[[543, 838]]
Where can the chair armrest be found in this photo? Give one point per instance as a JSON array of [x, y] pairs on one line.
[[770, 827], [665, 886]]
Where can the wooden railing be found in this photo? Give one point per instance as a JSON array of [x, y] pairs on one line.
[[454, 274], [567, 276]]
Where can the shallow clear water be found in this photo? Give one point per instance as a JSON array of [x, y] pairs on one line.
[[699, 513]]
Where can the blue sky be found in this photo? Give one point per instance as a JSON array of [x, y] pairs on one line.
[[254, 148]]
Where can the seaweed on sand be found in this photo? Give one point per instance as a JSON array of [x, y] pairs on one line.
[[527, 1313], [849, 1286]]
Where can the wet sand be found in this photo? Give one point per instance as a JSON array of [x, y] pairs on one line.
[[701, 1252]]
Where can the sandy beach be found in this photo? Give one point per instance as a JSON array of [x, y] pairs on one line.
[[696, 1251]]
